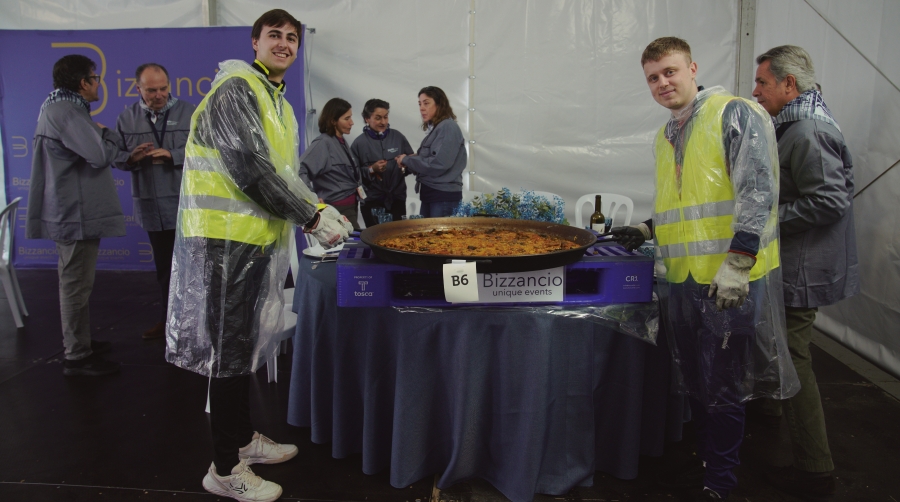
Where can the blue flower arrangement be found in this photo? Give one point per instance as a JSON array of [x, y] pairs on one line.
[[518, 206]]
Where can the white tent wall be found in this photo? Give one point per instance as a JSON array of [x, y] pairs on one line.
[[538, 68], [99, 14], [561, 104], [559, 99], [840, 36]]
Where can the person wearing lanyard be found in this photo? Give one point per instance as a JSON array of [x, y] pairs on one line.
[[441, 158], [155, 131], [240, 201], [328, 167]]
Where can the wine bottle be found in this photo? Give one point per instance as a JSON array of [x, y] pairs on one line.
[[598, 221]]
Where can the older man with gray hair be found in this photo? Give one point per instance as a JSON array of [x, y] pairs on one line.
[[818, 245], [154, 130]]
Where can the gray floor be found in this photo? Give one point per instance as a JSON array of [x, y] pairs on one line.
[[142, 435]]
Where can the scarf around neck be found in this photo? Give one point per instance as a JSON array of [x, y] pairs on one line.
[[376, 135], [169, 104], [807, 106], [63, 94]]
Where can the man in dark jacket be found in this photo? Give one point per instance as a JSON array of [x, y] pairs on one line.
[[155, 131], [376, 149], [73, 201], [818, 244]]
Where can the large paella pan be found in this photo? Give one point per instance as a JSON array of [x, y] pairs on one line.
[[376, 235]]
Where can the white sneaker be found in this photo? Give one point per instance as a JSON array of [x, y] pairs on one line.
[[242, 485], [263, 450]]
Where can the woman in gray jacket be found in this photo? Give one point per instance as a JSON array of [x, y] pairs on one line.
[[441, 159], [328, 167]]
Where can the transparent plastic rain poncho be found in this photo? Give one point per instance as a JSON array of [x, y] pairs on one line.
[[731, 356], [638, 320], [240, 199]]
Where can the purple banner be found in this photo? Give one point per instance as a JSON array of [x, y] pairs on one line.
[[191, 55]]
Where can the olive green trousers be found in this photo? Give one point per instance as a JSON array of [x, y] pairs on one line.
[[803, 412]]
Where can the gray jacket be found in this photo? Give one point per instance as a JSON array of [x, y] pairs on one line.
[[441, 159], [329, 169], [815, 211], [391, 185], [155, 187], [73, 194]]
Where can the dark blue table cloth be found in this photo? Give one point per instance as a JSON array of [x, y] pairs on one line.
[[532, 403]]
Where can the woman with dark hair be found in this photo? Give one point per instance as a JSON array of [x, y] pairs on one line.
[[441, 158], [328, 167], [376, 149]]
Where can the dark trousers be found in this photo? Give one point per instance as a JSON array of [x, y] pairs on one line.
[[714, 353], [163, 244], [720, 432], [805, 418], [398, 210], [438, 209], [229, 420], [238, 274], [351, 212]]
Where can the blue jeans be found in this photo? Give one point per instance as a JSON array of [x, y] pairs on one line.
[[438, 209]]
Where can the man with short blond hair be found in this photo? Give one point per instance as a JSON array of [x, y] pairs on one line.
[[155, 130], [818, 244], [714, 220]]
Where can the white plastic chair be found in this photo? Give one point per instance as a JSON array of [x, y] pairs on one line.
[[290, 318], [611, 204], [290, 325], [412, 205], [7, 271]]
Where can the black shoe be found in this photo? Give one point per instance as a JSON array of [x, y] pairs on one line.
[[683, 475], [92, 365], [813, 486], [100, 347], [157, 331]]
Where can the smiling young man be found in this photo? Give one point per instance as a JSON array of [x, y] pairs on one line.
[[377, 149], [73, 201], [155, 131], [240, 194], [715, 221]]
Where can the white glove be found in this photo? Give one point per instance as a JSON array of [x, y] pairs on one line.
[[332, 228], [334, 214], [731, 285]]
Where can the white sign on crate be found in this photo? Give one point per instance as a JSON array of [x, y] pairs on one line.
[[460, 282], [513, 287]]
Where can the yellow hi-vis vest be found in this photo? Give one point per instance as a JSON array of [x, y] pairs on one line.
[[694, 229], [211, 204]]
